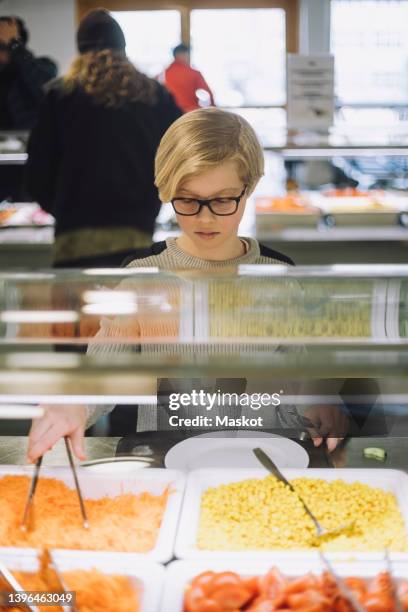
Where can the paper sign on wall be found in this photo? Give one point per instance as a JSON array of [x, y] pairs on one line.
[[310, 91]]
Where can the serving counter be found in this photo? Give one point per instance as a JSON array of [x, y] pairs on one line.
[[332, 338], [263, 324], [149, 450], [31, 248]]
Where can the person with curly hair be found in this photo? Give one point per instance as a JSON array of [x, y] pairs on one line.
[[91, 153]]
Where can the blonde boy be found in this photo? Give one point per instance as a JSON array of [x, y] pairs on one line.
[[208, 163]]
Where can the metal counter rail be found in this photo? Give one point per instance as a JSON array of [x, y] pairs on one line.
[[15, 159], [41, 376], [155, 446]]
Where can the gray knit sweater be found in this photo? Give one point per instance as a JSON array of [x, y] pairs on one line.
[[168, 256]]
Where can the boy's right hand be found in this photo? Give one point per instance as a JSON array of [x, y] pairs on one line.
[[57, 422]]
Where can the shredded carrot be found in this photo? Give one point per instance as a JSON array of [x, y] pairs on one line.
[[95, 592], [126, 523]]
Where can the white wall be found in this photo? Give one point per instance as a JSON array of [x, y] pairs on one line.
[[51, 24]]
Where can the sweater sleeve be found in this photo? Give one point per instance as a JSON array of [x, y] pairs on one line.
[[120, 330], [40, 173]]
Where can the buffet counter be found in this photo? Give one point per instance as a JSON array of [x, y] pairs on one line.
[[153, 446], [28, 247], [346, 245], [13, 450], [330, 336], [31, 248]]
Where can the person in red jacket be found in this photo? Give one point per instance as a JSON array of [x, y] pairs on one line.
[[183, 81]]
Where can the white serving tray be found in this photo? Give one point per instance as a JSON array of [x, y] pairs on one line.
[[147, 574], [198, 481], [363, 219], [274, 221], [94, 486], [180, 573]]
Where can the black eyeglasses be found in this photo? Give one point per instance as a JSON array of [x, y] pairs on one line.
[[218, 206]]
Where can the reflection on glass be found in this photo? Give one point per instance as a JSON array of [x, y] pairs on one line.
[[241, 53], [265, 308], [403, 310], [150, 37], [194, 308]]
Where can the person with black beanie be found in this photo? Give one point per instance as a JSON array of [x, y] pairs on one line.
[[91, 153]]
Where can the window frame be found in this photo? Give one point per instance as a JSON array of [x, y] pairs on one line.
[[291, 8]]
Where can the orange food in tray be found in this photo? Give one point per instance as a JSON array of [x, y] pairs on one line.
[[221, 591], [125, 523], [291, 203], [346, 192], [95, 591], [5, 215]]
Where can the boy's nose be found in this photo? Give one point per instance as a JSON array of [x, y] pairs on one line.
[[205, 214]]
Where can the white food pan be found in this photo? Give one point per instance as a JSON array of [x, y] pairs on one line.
[[180, 573], [199, 481], [95, 486], [147, 577]]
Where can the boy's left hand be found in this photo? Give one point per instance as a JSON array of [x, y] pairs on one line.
[[330, 423]]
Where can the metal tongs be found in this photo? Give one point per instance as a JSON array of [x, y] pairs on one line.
[[48, 561], [321, 531], [24, 526], [342, 586], [349, 595], [15, 586], [398, 604]]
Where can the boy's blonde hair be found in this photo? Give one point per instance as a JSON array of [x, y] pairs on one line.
[[201, 140]]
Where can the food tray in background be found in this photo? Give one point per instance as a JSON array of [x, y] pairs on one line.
[[198, 481], [24, 214], [94, 486], [274, 222], [292, 210], [372, 208], [379, 218], [144, 575], [180, 573]]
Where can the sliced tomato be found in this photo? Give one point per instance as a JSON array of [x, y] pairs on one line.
[[316, 608], [308, 599], [304, 583], [381, 584], [273, 583], [252, 584], [403, 593], [226, 579], [206, 605], [328, 587], [378, 602], [341, 605], [266, 605], [204, 581], [192, 594], [356, 585], [231, 596]]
